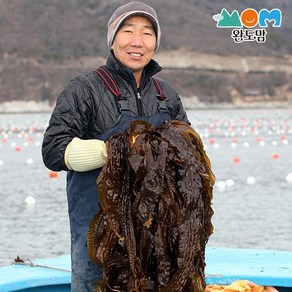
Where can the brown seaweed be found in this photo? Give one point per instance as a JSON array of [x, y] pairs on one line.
[[155, 195]]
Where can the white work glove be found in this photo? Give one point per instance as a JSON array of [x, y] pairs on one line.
[[84, 155]]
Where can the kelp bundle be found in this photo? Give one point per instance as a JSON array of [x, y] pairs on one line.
[[155, 220]]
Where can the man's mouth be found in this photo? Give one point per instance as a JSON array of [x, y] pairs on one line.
[[135, 54]]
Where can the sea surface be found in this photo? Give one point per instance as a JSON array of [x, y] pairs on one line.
[[251, 156]]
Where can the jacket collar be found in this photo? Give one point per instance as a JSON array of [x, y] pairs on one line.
[[150, 69]]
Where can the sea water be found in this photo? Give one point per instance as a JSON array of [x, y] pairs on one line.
[[250, 152]]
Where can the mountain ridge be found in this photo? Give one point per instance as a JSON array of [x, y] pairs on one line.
[[45, 43]]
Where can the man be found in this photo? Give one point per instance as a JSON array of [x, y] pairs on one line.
[[88, 112]]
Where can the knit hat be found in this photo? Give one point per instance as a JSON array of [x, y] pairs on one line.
[[131, 9]]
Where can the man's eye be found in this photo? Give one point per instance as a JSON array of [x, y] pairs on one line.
[[148, 33]]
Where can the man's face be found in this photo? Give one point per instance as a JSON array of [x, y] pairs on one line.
[[134, 43]]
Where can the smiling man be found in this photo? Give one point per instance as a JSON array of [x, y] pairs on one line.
[[134, 44], [98, 104]]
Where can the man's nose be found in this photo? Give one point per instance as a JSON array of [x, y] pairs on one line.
[[136, 40]]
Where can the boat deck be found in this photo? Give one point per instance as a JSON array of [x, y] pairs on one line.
[[263, 267], [223, 266]]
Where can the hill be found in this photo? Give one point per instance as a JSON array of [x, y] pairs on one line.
[[45, 43]]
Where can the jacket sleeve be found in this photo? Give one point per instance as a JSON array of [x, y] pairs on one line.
[[70, 118], [174, 103], [179, 112]]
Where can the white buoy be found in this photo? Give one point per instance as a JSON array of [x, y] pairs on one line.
[[1, 162], [29, 161], [221, 185], [30, 200], [262, 143], [289, 177], [251, 180], [229, 182]]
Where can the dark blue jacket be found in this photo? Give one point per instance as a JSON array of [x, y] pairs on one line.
[[86, 108]]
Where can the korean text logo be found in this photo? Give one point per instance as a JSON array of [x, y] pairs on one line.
[[250, 25]]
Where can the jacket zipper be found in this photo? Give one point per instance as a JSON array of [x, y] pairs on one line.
[[139, 104]]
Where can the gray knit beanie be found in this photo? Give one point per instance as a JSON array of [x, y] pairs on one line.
[[131, 9]]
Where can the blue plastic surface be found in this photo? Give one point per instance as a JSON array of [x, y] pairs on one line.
[[223, 266], [17, 277], [263, 267]]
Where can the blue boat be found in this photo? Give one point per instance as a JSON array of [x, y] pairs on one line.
[[223, 266]]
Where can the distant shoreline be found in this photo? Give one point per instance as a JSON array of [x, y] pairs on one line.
[[29, 107]]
